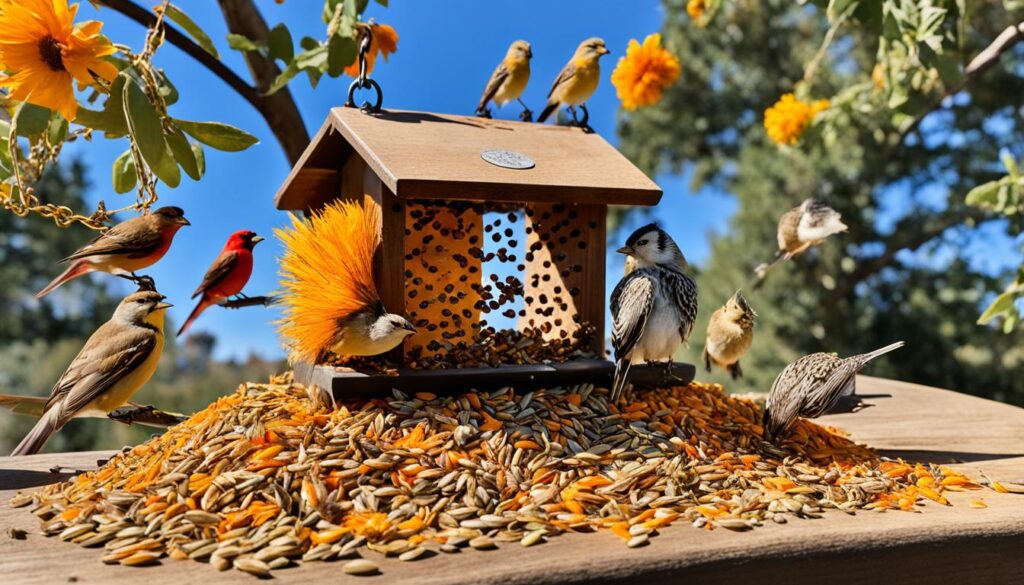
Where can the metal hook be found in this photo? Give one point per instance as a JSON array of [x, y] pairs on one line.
[[363, 81], [366, 83]]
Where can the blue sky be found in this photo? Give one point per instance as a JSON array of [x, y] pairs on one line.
[[446, 52]]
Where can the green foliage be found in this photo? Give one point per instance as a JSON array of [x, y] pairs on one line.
[[905, 278], [160, 139], [185, 22], [330, 56]]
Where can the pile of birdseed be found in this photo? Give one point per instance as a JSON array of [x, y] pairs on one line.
[[267, 477]]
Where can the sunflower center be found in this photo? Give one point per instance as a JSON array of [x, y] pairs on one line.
[[49, 52]]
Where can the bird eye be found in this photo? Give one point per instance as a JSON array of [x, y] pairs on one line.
[[642, 243], [141, 301]]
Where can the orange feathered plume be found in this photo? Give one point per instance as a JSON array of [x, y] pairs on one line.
[[327, 273], [384, 41]]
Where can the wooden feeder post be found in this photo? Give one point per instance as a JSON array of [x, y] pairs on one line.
[[439, 180]]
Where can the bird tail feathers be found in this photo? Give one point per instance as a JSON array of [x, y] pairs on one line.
[[548, 110], [202, 306], [620, 380], [867, 357], [78, 268], [36, 438]]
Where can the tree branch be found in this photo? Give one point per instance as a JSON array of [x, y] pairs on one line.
[[981, 63], [902, 239], [278, 110]]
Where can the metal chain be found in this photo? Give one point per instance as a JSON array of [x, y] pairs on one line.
[[42, 153]]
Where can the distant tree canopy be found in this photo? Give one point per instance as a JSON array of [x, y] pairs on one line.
[[28, 249], [897, 163]]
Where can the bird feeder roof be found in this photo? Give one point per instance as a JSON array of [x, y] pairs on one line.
[[423, 155]]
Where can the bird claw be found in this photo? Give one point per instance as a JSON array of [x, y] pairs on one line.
[[484, 113], [128, 414], [526, 116]]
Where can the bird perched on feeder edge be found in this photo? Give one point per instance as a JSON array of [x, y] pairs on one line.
[[800, 228], [577, 82], [508, 81], [653, 307], [125, 248], [330, 299], [811, 385], [228, 274], [730, 333], [117, 360]]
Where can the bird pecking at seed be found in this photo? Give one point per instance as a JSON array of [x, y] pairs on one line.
[[730, 333], [653, 307], [811, 385], [800, 229], [330, 299]]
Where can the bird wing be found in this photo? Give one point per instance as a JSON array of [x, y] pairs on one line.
[[135, 237], [683, 292], [497, 78], [825, 392], [112, 353], [789, 225], [632, 302], [568, 72], [220, 269]]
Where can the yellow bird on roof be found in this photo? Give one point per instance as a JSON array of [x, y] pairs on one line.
[[508, 81], [578, 80]]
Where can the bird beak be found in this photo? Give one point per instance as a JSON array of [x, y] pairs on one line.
[[257, 239], [625, 250], [529, 53], [603, 51], [161, 306], [184, 221], [410, 328]]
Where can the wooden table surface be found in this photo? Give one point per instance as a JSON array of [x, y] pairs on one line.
[[957, 544]]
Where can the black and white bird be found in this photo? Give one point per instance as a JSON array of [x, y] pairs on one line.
[[799, 229], [811, 385], [653, 307]]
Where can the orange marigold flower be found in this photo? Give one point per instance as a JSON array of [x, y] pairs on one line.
[[644, 72], [384, 41], [787, 120], [43, 52], [696, 8]]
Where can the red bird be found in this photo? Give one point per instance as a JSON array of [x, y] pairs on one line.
[[228, 274]]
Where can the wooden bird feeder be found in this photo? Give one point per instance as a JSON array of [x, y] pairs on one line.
[[494, 242]]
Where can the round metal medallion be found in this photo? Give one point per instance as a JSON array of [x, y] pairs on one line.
[[507, 159]]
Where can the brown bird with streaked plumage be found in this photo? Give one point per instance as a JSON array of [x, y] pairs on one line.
[[730, 333]]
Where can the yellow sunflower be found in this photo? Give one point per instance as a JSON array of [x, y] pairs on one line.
[[644, 72], [787, 120], [43, 52]]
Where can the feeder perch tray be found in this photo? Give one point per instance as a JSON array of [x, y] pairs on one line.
[[343, 384]]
